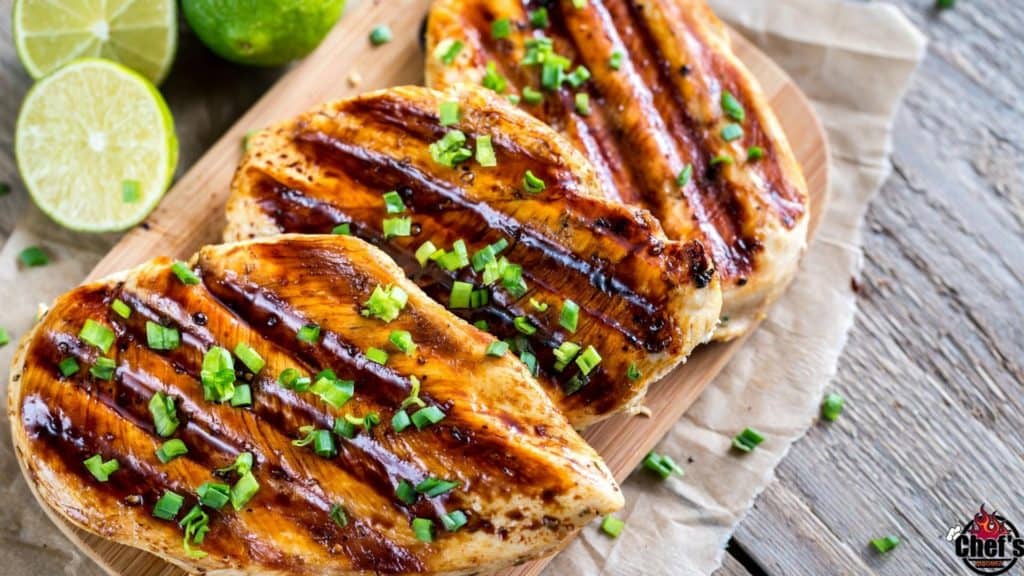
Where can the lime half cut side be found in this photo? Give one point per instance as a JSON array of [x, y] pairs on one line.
[[95, 146], [141, 34]]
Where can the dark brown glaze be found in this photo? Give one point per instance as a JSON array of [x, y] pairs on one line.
[[652, 117], [614, 262], [261, 294]]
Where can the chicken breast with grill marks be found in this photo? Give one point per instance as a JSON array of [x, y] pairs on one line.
[[496, 216], [417, 454], [652, 94]]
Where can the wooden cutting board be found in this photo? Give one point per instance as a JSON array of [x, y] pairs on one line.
[[192, 215]]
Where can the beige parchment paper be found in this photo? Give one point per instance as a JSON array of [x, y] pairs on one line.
[[854, 61]]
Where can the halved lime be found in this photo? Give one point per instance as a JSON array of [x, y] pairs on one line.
[[95, 146], [141, 34]]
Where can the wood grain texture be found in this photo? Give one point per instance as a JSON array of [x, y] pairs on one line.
[[933, 371], [192, 215]]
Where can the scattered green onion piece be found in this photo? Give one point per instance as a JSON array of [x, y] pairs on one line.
[[214, 494], [662, 465], [450, 149], [944, 4], [196, 524], [385, 303], [513, 98], [393, 202], [633, 373], [564, 354], [97, 334], [454, 520], [732, 132], [539, 18], [121, 309], [578, 77], [309, 333], [242, 396], [485, 155], [5, 338], [460, 295], [400, 421], [539, 306], [68, 367], [423, 528], [168, 506], [414, 394], [184, 273], [747, 440], [425, 417], [721, 159], [333, 391], [481, 325], [501, 29], [583, 104], [832, 407], [533, 184], [588, 360], [165, 417], [449, 112], [103, 368], [343, 229], [338, 515], [402, 340], [344, 428], [885, 543], [530, 360], [242, 464], [250, 358], [395, 227], [532, 96], [552, 74], [424, 252], [323, 444], [615, 61], [243, 490], [755, 153], [448, 50], [684, 176], [455, 259], [99, 469], [130, 191], [493, 80], [570, 316], [171, 449], [732, 107], [381, 35], [218, 375], [33, 257], [405, 492], [433, 487], [524, 326], [367, 421], [161, 337], [497, 348], [377, 355], [579, 4], [479, 298], [612, 526]]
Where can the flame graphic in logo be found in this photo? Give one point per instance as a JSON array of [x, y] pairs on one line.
[[987, 527]]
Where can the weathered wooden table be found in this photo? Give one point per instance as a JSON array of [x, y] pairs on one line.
[[934, 370]]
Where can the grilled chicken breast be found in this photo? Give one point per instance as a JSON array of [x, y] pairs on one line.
[[510, 232], [120, 371], [652, 94]]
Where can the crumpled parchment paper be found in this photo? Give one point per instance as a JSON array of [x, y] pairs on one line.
[[854, 62]]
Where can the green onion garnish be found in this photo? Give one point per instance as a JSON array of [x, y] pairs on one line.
[[755, 153], [385, 303], [33, 256], [552, 74], [432, 487], [944, 4], [161, 337], [497, 348], [5, 188], [479, 298], [588, 360], [460, 295], [243, 490], [184, 273], [425, 417], [632, 372], [423, 528], [513, 98], [615, 61], [662, 465], [524, 325], [455, 259], [344, 428], [97, 334], [343, 229], [252, 360], [530, 360], [322, 441], [481, 325], [732, 107], [381, 35], [394, 227], [539, 306], [485, 155], [583, 104], [218, 375], [196, 524], [454, 520], [171, 449], [103, 369], [684, 175], [579, 4], [402, 340], [564, 354], [405, 492], [131, 191], [539, 18], [578, 77], [448, 113], [214, 494], [832, 407], [731, 132], [448, 50], [168, 506], [309, 333], [68, 367], [721, 159], [533, 184], [414, 394], [885, 543], [165, 417], [612, 526], [400, 421], [338, 515], [501, 29], [292, 379], [5, 338], [451, 149], [747, 440], [377, 355], [333, 391], [99, 469], [393, 202], [121, 309], [532, 96], [570, 317], [242, 396], [493, 80], [367, 421], [242, 464]]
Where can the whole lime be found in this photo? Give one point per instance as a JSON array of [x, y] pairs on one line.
[[262, 32]]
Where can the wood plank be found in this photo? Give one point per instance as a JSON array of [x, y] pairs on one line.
[[933, 373], [732, 567]]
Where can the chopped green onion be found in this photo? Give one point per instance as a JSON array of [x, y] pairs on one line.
[[539, 306], [426, 416], [394, 227], [196, 524], [451, 149], [747, 440], [539, 18], [343, 229], [732, 107], [497, 348], [460, 295], [291, 379], [755, 153], [532, 96], [171, 449], [218, 375], [487, 254], [405, 492], [578, 77], [524, 325], [131, 191], [832, 407], [385, 303], [168, 506], [662, 465], [612, 526], [944, 4], [242, 464], [184, 273], [501, 29], [579, 4], [432, 487], [533, 184], [732, 132], [33, 256], [393, 202], [564, 354], [367, 421], [242, 396], [414, 394], [423, 528], [583, 104], [449, 113], [103, 368], [322, 441], [448, 50], [165, 417], [481, 325], [121, 309], [400, 421], [455, 259], [615, 61], [99, 469], [377, 355], [333, 391], [570, 316], [381, 35], [97, 334], [885, 543], [68, 367], [344, 428], [494, 80], [402, 340], [588, 360], [479, 298], [252, 360], [552, 74], [513, 99], [424, 252], [243, 490], [721, 159], [309, 333], [633, 373], [161, 337], [338, 515], [5, 338], [684, 175], [454, 520], [214, 494], [485, 155], [530, 360]]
